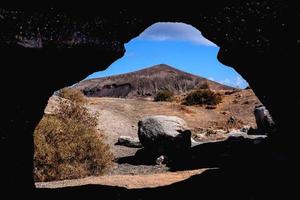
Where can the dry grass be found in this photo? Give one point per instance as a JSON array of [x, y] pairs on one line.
[[67, 145]]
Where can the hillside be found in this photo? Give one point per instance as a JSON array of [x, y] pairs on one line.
[[146, 83]]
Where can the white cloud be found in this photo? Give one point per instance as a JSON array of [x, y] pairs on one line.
[[163, 31], [238, 82], [226, 81]]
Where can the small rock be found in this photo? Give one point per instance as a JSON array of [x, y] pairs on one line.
[[236, 134], [231, 120], [245, 129], [195, 143], [128, 141], [161, 160]]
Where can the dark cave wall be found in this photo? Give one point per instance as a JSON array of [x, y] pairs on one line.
[[259, 39]]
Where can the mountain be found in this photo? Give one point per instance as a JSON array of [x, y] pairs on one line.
[[146, 82]]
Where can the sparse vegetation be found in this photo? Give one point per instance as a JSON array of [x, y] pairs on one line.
[[72, 95], [202, 97], [67, 144], [164, 95]]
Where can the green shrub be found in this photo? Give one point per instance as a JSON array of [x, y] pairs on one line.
[[67, 145], [164, 95], [202, 97]]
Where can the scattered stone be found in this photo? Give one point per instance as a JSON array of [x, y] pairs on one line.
[[164, 134], [128, 141]]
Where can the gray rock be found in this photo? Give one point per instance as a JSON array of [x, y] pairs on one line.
[[237, 135], [264, 120], [161, 160], [231, 120], [195, 143], [164, 134], [129, 142], [245, 129]]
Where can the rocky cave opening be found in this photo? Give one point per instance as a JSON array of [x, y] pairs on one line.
[[250, 35], [127, 92]]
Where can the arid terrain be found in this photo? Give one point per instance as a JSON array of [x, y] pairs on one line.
[[120, 116], [122, 100]]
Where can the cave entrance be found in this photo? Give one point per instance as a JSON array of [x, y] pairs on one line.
[[168, 70]]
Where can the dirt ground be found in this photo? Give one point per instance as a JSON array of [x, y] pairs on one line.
[[127, 181], [119, 116]]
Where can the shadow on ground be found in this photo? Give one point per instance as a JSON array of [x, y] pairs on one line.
[[245, 170], [207, 155]]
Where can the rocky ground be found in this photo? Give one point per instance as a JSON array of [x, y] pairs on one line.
[[119, 117]]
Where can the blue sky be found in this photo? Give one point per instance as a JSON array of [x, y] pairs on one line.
[[178, 45]]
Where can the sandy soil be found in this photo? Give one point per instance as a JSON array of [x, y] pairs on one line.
[[127, 181]]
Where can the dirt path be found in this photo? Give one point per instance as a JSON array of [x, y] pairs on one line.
[[127, 181]]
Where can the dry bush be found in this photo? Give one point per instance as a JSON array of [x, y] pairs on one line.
[[202, 97], [77, 112], [164, 95], [67, 145], [71, 94]]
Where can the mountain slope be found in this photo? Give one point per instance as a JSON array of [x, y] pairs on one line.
[[146, 82]]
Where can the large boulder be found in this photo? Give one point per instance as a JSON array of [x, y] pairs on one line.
[[264, 121], [164, 135]]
